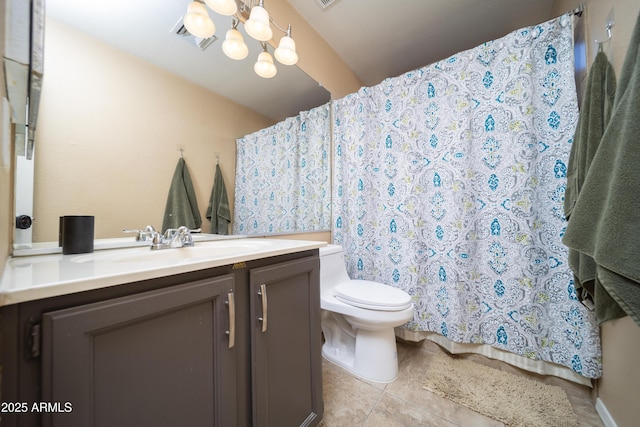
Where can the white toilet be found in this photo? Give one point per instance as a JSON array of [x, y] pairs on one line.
[[358, 320]]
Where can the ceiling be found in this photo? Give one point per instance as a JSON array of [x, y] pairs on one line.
[[376, 39], [386, 38]]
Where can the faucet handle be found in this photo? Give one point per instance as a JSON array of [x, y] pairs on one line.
[[187, 240], [170, 232], [142, 235], [185, 236], [182, 229]]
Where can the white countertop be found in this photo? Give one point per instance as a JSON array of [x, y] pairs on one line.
[[28, 278], [46, 248]]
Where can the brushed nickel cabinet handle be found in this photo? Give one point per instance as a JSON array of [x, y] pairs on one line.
[[263, 293], [232, 319]]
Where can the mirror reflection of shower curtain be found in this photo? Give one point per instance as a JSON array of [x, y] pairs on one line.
[[449, 183], [282, 176]]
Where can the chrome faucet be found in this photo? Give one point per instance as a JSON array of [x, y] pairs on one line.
[[172, 238]]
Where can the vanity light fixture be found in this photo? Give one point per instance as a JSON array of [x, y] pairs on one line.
[[286, 51], [257, 24], [233, 45], [222, 7], [198, 22], [264, 66]]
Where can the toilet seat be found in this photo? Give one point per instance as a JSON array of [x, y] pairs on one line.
[[372, 295]]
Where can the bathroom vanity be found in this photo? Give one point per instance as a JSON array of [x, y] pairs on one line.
[[227, 334]]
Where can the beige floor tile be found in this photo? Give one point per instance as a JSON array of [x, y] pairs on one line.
[[586, 412], [348, 401], [351, 402], [393, 412]]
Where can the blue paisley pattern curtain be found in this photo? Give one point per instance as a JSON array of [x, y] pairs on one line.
[[449, 182], [282, 176]]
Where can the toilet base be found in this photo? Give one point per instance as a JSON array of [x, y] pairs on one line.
[[373, 356]]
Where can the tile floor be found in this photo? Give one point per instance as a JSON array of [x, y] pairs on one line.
[[351, 402]]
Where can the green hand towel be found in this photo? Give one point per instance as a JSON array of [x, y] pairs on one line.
[[182, 206], [605, 221], [218, 211], [595, 113]]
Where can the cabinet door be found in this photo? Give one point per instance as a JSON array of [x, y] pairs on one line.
[[286, 344], [159, 358]]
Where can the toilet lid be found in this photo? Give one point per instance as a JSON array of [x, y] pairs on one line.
[[372, 295]]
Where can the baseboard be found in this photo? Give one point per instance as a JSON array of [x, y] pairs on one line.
[[604, 414]]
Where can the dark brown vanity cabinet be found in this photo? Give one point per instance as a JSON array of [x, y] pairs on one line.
[[286, 344], [229, 346], [156, 358]]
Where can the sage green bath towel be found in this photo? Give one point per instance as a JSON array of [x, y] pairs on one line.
[[218, 211], [595, 113], [605, 221], [182, 206]]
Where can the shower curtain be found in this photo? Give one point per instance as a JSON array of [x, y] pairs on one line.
[[282, 176], [449, 184]]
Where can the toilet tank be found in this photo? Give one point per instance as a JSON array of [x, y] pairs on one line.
[[333, 270]]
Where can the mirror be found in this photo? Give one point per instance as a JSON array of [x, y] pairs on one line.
[[119, 108]]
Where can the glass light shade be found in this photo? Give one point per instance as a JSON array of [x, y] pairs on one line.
[[257, 26], [264, 66], [197, 21], [286, 51], [223, 7], [234, 46]]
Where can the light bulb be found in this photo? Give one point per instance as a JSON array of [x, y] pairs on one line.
[[223, 7], [286, 51], [257, 26], [234, 46], [264, 66], [197, 21]]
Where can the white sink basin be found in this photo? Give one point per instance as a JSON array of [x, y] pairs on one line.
[[201, 251]]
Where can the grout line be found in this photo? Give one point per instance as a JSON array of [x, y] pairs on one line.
[[374, 405]]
